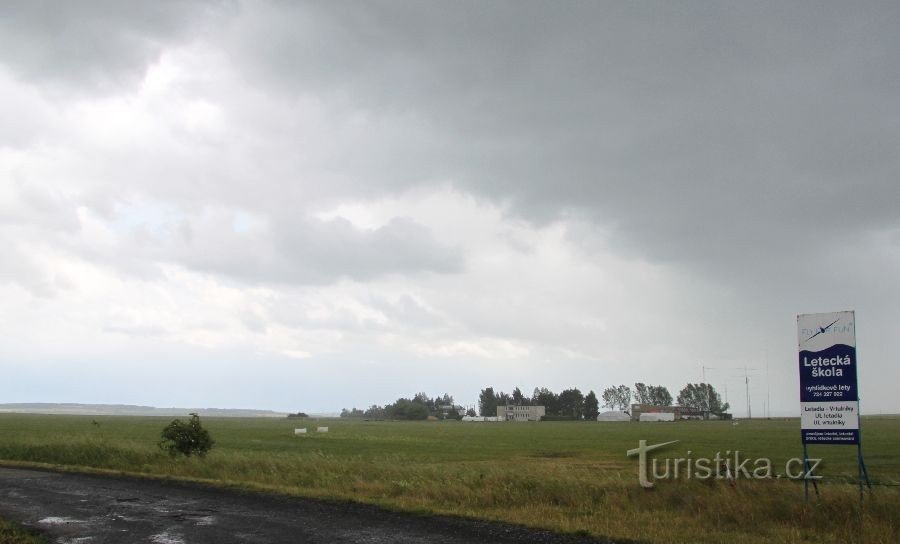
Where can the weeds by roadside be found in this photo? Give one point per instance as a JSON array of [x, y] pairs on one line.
[[10, 533]]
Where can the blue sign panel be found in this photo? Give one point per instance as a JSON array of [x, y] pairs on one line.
[[829, 397]]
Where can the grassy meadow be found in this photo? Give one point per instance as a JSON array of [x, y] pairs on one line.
[[11, 533], [566, 476]]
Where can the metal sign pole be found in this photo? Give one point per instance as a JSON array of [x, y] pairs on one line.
[[829, 393], [805, 479], [807, 475], [863, 472]]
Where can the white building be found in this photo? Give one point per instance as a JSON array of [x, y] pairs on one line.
[[614, 415], [658, 416], [521, 413]]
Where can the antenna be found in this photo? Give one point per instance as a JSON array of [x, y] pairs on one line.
[[706, 386], [768, 398], [747, 388]]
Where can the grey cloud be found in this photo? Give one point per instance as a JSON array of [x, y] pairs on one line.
[[98, 43], [697, 132], [309, 251], [735, 138], [37, 206], [409, 312], [18, 267]]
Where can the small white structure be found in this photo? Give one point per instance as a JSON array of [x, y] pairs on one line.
[[658, 416], [472, 418], [613, 415], [301, 430], [321, 429]]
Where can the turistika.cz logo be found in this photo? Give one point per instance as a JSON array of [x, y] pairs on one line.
[[730, 466]]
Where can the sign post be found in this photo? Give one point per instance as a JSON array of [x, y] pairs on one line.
[[829, 396]]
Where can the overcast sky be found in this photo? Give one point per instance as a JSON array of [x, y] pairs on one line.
[[310, 206]]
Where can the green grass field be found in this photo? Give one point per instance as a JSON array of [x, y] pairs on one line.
[[564, 476], [11, 533]]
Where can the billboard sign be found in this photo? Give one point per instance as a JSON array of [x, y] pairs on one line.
[[829, 398]]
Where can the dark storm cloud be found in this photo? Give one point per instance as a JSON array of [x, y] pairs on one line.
[[92, 44], [701, 133], [721, 167], [719, 135]]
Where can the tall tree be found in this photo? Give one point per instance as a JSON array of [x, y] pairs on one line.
[[591, 406], [425, 400], [702, 397], [641, 393], [546, 398], [487, 402], [517, 397], [660, 396], [571, 403], [617, 398], [654, 395]]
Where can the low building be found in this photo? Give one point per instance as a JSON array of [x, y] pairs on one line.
[[613, 415], [521, 413], [657, 416], [451, 410], [678, 412]]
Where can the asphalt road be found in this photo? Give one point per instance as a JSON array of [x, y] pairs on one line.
[[90, 509]]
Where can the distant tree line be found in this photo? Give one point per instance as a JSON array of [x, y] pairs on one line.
[[572, 404], [569, 404], [419, 407]]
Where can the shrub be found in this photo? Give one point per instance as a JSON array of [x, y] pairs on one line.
[[187, 439]]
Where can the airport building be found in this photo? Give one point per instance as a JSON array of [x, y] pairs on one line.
[[663, 413], [521, 413]]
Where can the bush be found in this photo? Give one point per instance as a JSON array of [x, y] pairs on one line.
[[186, 438]]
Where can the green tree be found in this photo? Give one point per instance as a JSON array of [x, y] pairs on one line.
[[654, 395], [375, 412], [642, 393], [186, 439], [517, 397], [424, 399], [487, 402], [407, 409], [591, 406], [618, 397], [571, 403], [660, 396], [702, 397], [546, 398]]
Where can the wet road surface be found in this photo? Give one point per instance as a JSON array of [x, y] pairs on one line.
[[91, 509]]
